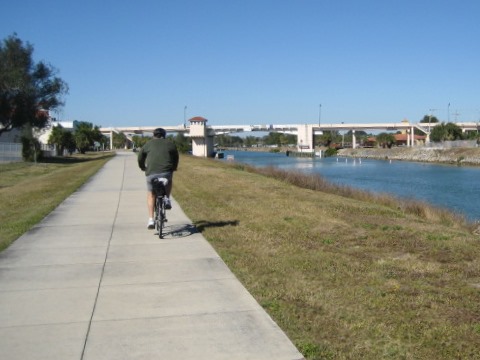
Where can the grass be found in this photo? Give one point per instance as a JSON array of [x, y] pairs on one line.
[[28, 191], [346, 274]]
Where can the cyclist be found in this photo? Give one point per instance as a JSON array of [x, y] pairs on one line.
[[158, 158]]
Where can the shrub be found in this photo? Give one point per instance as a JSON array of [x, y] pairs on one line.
[[330, 152]]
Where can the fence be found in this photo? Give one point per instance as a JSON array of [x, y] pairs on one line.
[[10, 152]]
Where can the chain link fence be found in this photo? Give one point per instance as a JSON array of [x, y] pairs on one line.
[[10, 152]]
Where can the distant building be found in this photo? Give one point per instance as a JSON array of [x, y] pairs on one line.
[[402, 139], [43, 134]]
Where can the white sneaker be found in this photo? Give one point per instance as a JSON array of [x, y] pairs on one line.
[[151, 224]]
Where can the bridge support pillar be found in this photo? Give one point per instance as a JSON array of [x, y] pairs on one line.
[[305, 138], [354, 140], [202, 140], [111, 140]]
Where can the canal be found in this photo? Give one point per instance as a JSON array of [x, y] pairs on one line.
[[453, 187]]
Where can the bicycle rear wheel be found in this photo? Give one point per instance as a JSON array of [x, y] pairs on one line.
[[158, 216]]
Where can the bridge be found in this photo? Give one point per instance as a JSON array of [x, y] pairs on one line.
[[202, 135]]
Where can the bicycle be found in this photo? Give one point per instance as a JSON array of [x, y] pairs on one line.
[[160, 214]]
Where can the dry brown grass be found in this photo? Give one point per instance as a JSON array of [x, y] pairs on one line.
[[347, 276], [409, 206]]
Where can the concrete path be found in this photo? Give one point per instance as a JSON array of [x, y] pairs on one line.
[[91, 282]]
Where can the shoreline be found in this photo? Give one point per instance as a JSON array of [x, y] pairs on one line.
[[452, 156]]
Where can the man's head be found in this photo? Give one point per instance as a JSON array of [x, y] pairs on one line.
[[159, 133]]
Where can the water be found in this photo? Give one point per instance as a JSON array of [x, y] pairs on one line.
[[452, 187]]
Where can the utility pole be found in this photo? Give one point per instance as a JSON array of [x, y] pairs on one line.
[[185, 117], [319, 114]]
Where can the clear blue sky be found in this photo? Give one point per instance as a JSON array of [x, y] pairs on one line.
[[256, 61]]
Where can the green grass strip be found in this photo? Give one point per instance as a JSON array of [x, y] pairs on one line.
[[29, 192]]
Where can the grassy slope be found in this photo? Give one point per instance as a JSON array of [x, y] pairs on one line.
[[344, 278]]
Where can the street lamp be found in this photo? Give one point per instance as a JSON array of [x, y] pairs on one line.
[[319, 114], [185, 117]]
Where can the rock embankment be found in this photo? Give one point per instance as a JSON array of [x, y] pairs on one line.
[[458, 156]]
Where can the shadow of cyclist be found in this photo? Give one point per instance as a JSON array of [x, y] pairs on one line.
[[197, 227], [202, 224]]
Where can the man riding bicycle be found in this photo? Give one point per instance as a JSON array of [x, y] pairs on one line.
[[158, 158]]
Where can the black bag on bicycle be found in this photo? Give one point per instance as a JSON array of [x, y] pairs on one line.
[[158, 186]]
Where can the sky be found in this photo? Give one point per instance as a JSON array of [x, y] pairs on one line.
[[250, 62]]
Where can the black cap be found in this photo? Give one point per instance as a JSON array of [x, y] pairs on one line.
[[159, 133]]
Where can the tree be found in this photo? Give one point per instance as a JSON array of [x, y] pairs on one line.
[[251, 141], [30, 148], [386, 140], [224, 140], [328, 137], [62, 139], [120, 140], [139, 141], [85, 135], [279, 139], [184, 144], [429, 119], [28, 90], [69, 142], [443, 132]]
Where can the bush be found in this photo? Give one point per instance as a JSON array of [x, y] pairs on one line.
[[31, 150], [330, 152]]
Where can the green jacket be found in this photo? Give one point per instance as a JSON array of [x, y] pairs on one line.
[[158, 156]]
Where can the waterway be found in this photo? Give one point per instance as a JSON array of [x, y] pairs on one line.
[[452, 187]]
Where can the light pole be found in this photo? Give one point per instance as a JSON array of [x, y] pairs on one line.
[[185, 117], [319, 114]]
